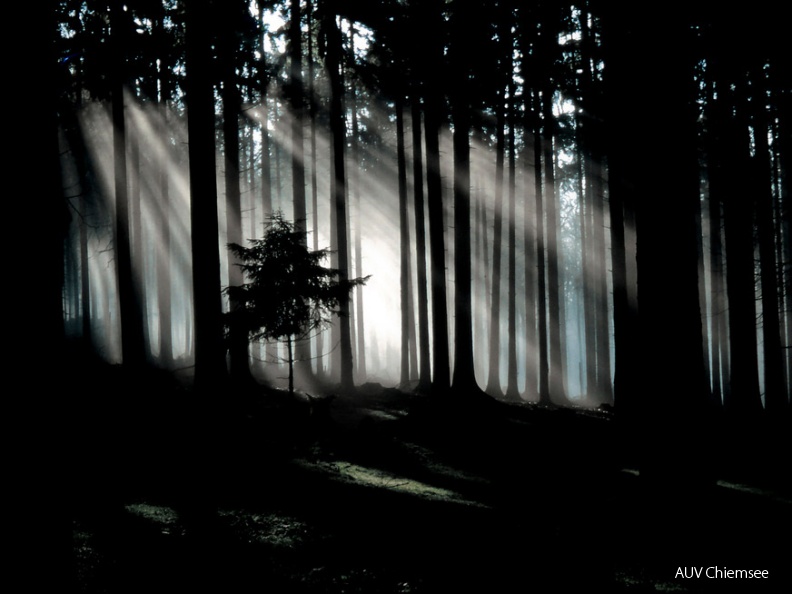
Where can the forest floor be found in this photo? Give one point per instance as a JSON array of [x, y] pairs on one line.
[[387, 492]]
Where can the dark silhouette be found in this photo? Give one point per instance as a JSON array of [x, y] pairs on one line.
[[289, 294]]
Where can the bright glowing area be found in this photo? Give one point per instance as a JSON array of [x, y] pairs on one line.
[[373, 233]]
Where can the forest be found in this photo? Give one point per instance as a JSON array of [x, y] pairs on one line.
[[561, 357]]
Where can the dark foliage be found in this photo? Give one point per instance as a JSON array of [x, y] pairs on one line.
[[289, 293]]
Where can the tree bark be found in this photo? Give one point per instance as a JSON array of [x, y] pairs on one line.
[[164, 269], [493, 380], [512, 389], [130, 306], [425, 373], [464, 379], [338, 134], [665, 182], [441, 378], [210, 365], [239, 364], [554, 289], [404, 246]]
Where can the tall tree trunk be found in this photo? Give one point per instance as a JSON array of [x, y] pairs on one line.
[[313, 106], [269, 349], [512, 390], [585, 145], [296, 97], [40, 475], [420, 245], [210, 365], [588, 270], [338, 133], [603, 350], [135, 197], [667, 270], [623, 179], [717, 303], [598, 351], [239, 364], [493, 381], [164, 269], [533, 246], [277, 154], [360, 350], [554, 289], [312, 109], [541, 304], [783, 139], [464, 379], [302, 347], [532, 174], [85, 284], [479, 267], [441, 379], [775, 400], [130, 306], [404, 244], [730, 164]]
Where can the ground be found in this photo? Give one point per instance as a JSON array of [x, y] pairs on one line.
[[384, 491]]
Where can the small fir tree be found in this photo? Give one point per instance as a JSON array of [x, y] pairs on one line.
[[289, 293]]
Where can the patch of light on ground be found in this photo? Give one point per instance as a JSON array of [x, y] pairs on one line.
[[373, 477], [754, 491], [166, 517]]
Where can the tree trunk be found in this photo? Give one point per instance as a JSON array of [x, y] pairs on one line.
[[239, 365], [512, 390], [493, 381], [541, 305], [554, 288], [37, 479], [164, 269], [210, 365], [404, 243], [130, 306], [623, 179], [730, 166], [420, 246], [139, 269], [531, 392], [302, 347], [664, 178], [464, 379], [269, 348], [531, 222], [313, 105], [338, 133], [775, 400], [432, 123], [360, 343], [85, 284]]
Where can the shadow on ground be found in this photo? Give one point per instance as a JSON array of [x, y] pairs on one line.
[[387, 492]]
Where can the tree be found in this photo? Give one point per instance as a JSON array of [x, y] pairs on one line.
[[464, 377], [433, 98], [239, 368], [333, 55], [493, 381], [132, 337], [668, 312], [210, 365], [289, 294]]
